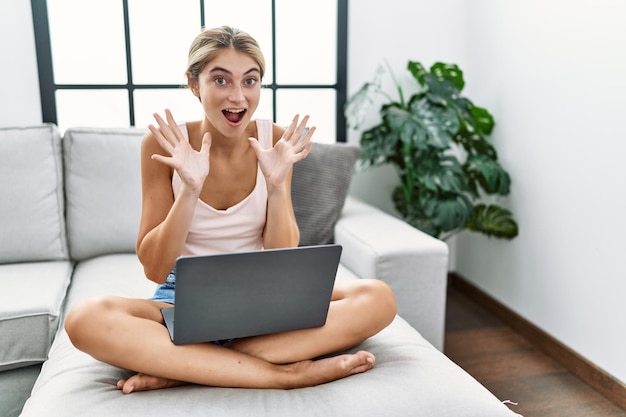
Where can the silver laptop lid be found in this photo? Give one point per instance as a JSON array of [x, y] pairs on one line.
[[245, 294]]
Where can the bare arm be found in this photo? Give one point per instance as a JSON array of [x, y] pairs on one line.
[[164, 221], [281, 229]]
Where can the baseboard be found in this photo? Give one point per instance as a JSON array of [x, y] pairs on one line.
[[613, 389]]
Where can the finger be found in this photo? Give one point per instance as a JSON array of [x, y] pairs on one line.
[[298, 137], [174, 126], [256, 146], [287, 135], [206, 143], [165, 130], [163, 159], [164, 143], [305, 140], [301, 127], [308, 136], [304, 152]]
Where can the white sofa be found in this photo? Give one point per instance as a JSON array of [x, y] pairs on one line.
[[70, 211]]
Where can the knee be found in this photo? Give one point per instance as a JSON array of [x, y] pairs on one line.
[[381, 299], [83, 318]]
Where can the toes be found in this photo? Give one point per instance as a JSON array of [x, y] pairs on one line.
[[361, 361], [129, 385], [143, 382], [124, 386]]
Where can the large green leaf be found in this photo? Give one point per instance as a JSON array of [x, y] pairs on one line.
[[407, 128], [450, 72], [492, 220], [402, 122], [475, 143], [440, 90], [483, 120], [443, 92], [443, 174], [413, 214], [440, 122], [378, 146], [418, 71], [449, 212], [488, 173]]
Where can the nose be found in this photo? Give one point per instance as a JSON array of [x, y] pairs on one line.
[[236, 94]]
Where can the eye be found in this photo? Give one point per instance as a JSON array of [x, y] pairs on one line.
[[249, 82], [219, 80]]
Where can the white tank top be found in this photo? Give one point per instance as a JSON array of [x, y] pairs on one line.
[[237, 228]]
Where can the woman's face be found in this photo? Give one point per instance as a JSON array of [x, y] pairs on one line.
[[230, 88]]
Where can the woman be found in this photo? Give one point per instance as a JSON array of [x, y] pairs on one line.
[[216, 185]]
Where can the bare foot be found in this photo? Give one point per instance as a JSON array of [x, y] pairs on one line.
[[295, 375], [321, 371], [143, 382]]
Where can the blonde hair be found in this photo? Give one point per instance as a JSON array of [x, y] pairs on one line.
[[211, 41]]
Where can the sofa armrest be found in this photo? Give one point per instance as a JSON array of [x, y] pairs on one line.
[[414, 264]]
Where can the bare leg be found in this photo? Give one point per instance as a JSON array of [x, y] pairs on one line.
[[129, 334], [327, 370], [359, 310]]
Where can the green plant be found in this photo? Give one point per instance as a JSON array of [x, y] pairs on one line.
[[437, 142]]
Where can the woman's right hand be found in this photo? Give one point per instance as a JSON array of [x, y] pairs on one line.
[[192, 166]]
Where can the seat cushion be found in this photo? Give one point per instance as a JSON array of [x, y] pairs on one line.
[[30, 310], [15, 388], [31, 186], [410, 377], [319, 188], [118, 274]]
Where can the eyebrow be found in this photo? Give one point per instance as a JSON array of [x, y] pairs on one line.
[[216, 69]]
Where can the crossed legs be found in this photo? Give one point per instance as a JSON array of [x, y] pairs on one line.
[[129, 333]]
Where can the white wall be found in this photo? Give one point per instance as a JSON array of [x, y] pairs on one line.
[[553, 75], [397, 31]]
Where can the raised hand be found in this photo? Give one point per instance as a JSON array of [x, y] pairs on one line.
[[276, 163], [192, 166]]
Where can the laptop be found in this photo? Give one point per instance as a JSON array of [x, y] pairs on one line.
[[234, 295]]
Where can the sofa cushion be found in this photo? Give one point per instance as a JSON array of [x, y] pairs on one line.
[[31, 185], [117, 274], [319, 188], [15, 388], [103, 190], [30, 310]]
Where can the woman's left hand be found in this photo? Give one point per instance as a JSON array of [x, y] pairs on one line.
[[276, 163]]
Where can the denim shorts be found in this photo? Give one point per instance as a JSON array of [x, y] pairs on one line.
[[165, 291]]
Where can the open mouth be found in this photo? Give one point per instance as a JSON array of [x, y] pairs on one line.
[[234, 115]]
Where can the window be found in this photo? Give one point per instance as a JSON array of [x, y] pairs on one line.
[[115, 63]]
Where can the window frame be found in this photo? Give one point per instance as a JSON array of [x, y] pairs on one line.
[[48, 87]]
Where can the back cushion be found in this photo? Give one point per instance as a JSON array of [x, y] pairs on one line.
[[318, 189], [32, 227], [103, 190]]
